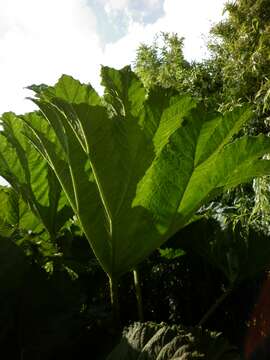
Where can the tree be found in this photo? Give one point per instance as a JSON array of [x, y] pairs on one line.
[[237, 72], [240, 45], [163, 64], [240, 48]]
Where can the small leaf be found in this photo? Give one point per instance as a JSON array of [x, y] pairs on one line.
[[171, 254]]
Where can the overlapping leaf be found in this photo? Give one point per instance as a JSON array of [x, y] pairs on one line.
[[15, 214], [137, 166], [30, 175]]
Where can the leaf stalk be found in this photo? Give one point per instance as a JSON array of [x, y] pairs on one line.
[[138, 292]]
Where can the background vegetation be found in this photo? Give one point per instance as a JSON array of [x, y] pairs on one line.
[[54, 294]]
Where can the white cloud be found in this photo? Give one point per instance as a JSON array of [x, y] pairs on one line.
[[192, 20], [188, 18], [39, 41], [112, 5], [148, 4], [151, 2], [120, 5]]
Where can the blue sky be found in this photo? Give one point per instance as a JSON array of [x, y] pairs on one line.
[[41, 39]]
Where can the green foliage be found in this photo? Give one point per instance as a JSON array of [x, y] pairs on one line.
[[260, 214], [147, 341], [19, 226], [237, 72], [170, 253], [112, 157], [15, 216], [32, 179], [163, 64], [240, 47], [240, 51], [239, 253]]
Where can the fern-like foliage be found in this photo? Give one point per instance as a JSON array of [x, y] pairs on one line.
[[151, 341]]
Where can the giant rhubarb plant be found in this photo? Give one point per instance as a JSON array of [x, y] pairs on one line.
[[135, 166]]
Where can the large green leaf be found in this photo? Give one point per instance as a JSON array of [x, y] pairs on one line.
[[151, 341], [15, 214], [137, 166], [30, 175]]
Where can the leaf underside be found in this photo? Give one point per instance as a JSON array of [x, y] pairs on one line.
[[31, 177], [137, 166], [151, 341]]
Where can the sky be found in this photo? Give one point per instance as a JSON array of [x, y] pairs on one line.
[[42, 39]]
